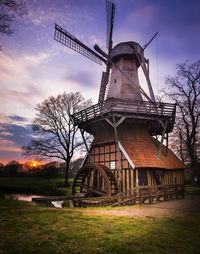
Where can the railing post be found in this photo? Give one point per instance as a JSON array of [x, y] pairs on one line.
[[134, 197], [150, 194], [119, 200], [140, 196], [182, 190], [176, 191], [165, 192]]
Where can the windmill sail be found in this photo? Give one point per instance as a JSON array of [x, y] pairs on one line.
[[104, 85], [72, 42], [110, 12]]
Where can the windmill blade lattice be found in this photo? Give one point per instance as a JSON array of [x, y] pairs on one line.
[[110, 12], [104, 85], [72, 42]]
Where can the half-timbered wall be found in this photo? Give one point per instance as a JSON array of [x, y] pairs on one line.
[[106, 154], [165, 176]]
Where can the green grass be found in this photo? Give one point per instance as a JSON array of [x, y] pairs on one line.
[[192, 189], [43, 186], [27, 229], [34, 185]]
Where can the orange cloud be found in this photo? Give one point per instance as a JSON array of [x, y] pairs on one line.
[[10, 149]]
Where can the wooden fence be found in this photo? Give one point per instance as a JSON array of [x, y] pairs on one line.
[[138, 195]]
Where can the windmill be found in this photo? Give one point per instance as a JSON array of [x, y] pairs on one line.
[[124, 152]]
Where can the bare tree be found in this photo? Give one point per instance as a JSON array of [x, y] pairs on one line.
[[57, 134], [184, 89], [9, 10]]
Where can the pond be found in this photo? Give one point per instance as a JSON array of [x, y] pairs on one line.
[[23, 197], [29, 197]]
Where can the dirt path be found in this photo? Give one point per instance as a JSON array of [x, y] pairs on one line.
[[159, 209]]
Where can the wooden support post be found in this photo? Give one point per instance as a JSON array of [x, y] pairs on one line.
[[182, 190], [117, 142], [141, 60], [150, 194], [176, 191], [165, 192], [88, 179], [120, 198], [120, 121], [148, 178], [162, 139], [140, 196], [137, 179], [126, 156], [167, 143], [86, 146], [147, 61], [115, 125]]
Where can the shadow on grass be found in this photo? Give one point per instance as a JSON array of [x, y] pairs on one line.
[[36, 230], [34, 185]]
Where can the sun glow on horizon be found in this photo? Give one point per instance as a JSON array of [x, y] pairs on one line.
[[35, 164]]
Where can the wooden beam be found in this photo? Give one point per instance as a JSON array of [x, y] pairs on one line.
[[137, 179], [120, 121], [162, 139], [147, 60], [86, 146], [108, 120], [85, 157], [167, 143], [141, 60], [117, 142], [114, 125], [126, 155]]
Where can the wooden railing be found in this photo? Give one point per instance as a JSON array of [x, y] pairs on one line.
[[150, 193], [137, 195], [125, 106]]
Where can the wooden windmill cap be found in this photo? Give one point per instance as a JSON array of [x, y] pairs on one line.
[[125, 50]]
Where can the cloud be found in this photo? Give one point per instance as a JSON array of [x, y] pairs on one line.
[[6, 141], [14, 66], [10, 149], [148, 12], [7, 145], [18, 118], [22, 81], [14, 133], [82, 78], [16, 137], [6, 133]]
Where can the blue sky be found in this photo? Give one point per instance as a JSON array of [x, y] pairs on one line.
[[33, 66]]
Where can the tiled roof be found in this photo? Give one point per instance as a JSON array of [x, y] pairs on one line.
[[141, 147]]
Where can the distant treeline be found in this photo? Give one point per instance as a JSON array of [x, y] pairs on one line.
[[51, 169]]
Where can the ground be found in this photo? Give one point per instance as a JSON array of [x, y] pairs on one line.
[[161, 228], [163, 208]]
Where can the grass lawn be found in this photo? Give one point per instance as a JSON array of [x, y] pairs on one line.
[[52, 186], [34, 185], [32, 229], [25, 228]]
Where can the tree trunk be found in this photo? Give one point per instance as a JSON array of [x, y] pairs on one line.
[[67, 174]]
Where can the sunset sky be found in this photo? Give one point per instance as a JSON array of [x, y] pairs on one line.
[[34, 66]]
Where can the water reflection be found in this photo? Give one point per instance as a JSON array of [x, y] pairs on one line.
[[57, 203], [29, 197], [23, 197]]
